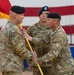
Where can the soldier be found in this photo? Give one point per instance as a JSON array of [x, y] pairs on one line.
[[12, 44], [58, 58], [40, 29]]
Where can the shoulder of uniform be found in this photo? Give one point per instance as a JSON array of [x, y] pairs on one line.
[[14, 30], [11, 25], [61, 34], [33, 27], [36, 24]]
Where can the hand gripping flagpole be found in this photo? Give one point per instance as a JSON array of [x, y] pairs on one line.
[[32, 51]]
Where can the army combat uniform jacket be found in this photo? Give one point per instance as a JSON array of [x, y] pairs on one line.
[[39, 31], [58, 58], [12, 48]]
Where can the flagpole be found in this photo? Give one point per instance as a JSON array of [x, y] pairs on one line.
[[32, 51]]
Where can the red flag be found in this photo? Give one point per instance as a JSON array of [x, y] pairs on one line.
[[4, 8]]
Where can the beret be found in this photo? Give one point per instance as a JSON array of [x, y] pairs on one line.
[[54, 15], [18, 9], [45, 8]]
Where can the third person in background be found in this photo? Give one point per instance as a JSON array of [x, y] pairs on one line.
[[40, 30]]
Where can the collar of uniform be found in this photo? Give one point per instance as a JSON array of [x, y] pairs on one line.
[[20, 26], [53, 32], [10, 23]]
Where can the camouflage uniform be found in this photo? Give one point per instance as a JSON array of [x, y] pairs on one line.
[[58, 58], [39, 31], [12, 50]]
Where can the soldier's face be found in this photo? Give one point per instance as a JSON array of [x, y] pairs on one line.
[[43, 16], [50, 22]]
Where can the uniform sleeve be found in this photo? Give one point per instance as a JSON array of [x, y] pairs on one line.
[[30, 30], [38, 41], [19, 45], [55, 49], [35, 41], [41, 41]]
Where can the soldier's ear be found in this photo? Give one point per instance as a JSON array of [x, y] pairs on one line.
[[16, 16]]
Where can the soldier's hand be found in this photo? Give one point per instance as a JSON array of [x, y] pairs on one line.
[[26, 36], [30, 67], [35, 58], [24, 31]]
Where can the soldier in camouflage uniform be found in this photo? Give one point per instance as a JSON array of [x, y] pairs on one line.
[[58, 58], [40, 29], [12, 44]]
